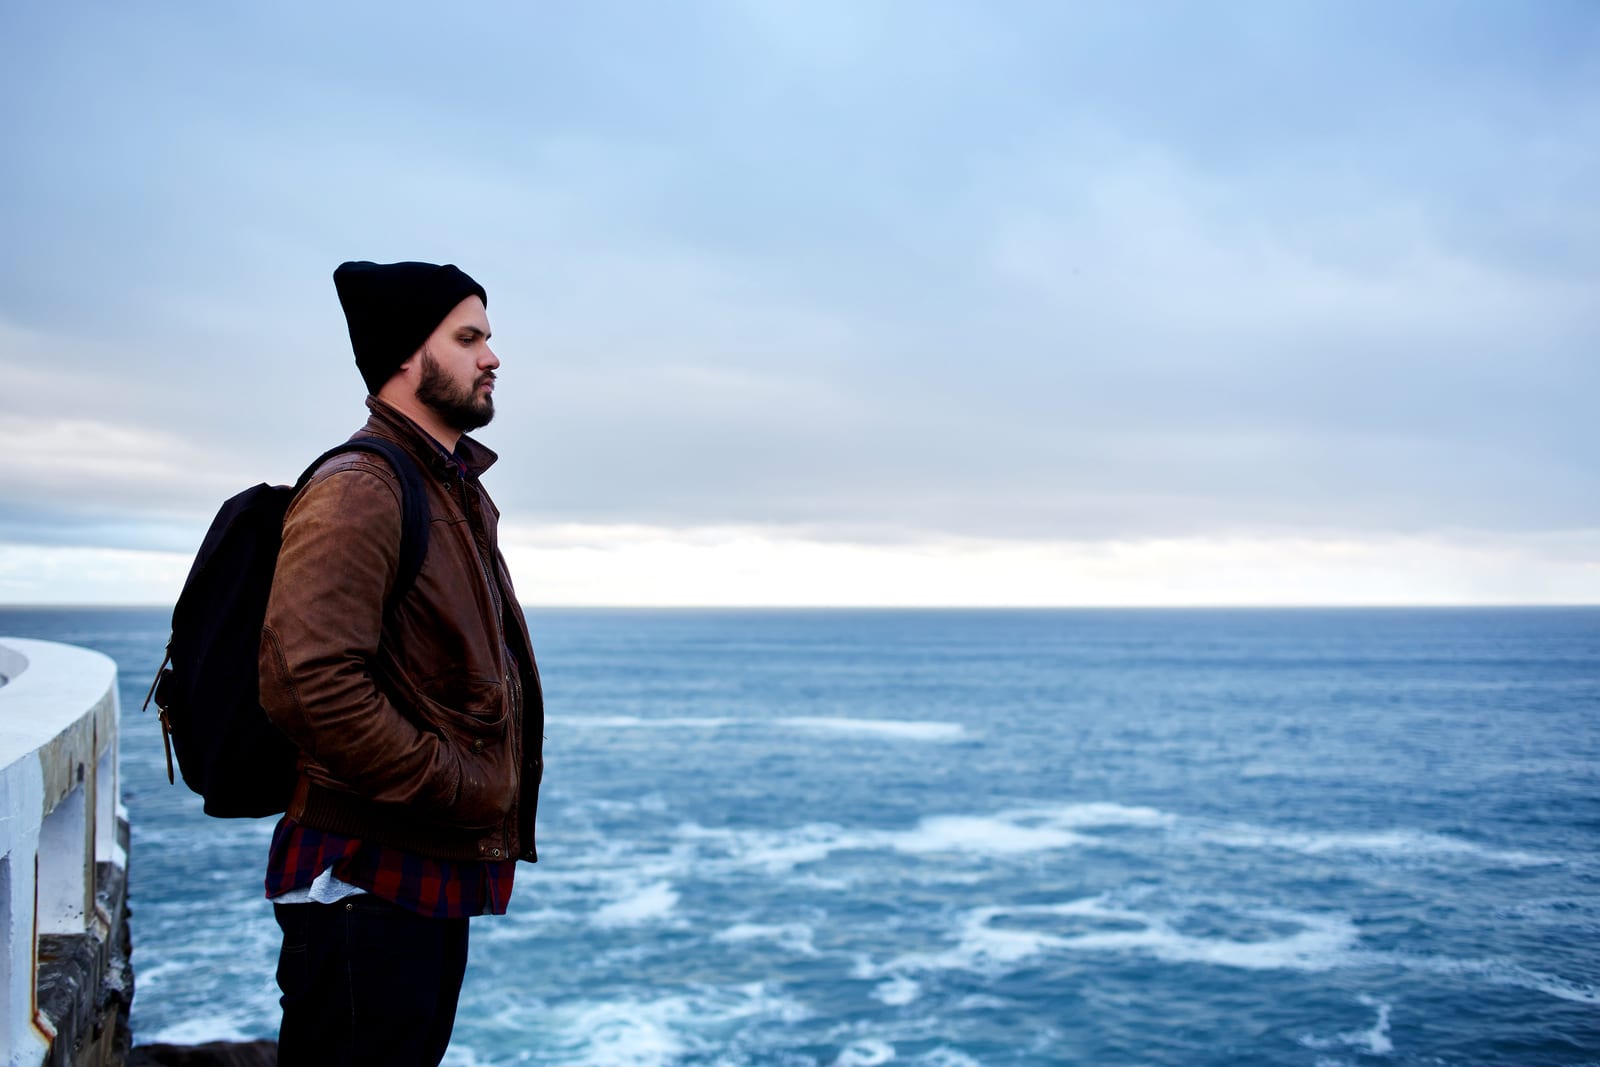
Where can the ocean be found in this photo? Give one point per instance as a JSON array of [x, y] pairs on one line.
[[951, 838]]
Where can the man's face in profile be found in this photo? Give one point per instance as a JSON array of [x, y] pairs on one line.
[[457, 372]]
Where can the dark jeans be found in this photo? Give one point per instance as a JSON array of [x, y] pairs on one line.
[[367, 984]]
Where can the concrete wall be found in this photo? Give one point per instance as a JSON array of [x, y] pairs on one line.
[[66, 985]]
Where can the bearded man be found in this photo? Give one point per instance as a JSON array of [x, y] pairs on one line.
[[419, 723]]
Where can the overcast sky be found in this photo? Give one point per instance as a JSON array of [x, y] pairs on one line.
[[845, 302]]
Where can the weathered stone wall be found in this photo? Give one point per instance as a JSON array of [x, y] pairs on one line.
[[66, 984]]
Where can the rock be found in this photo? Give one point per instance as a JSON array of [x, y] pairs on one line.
[[214, 1054]]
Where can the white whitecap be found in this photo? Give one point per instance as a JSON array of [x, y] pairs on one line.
[[981, 834], [631, 1032], [897, 992], [897, 729], [983, 1002], [626, 1034], [1560, 988], [794, 937], [778, 852], [1023, 830], [642, 722], [458, 1055], [774, 851], [645, 904], [900, 729], [540, 918], [865, 1053], [1005, 833], [155, 974], [1100, 813], [1374, 1040], [1495, 972], [1405, 843], [1321, 942], [945, 1056], [201, 1030]]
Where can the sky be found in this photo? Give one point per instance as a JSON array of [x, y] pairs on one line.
[[833, 303]]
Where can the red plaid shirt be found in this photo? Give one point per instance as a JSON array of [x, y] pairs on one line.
[[440, 889]]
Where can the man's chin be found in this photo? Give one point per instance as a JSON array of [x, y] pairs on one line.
[[481, 415]]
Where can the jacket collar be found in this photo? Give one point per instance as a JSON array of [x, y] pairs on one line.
[[387, 421]]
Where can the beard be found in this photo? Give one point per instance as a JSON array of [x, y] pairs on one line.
[[460, 409]]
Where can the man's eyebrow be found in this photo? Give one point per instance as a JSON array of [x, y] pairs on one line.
[[475, 332]]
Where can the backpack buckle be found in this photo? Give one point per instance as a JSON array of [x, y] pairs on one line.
[[162, 675]]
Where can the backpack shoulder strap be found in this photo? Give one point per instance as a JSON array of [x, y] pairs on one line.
[[414, 513]]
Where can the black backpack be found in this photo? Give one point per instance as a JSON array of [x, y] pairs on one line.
[[228, 751]]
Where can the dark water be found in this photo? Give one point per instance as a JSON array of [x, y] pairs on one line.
[[952, 838]]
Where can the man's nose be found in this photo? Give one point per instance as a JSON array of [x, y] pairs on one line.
[[489, 361]]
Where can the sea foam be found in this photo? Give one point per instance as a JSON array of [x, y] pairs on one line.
[[632, 1032], [1321, 942], [888, 729], [896, 729], [976, 834], [1407, 843], [645, 904], [1493, 971], [794, 937], [1374, 1040], [866, 1053], [618, 722], [1006, 833], [897, 992], [205, 1028]]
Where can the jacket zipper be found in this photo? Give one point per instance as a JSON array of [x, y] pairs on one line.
[[498, 602]]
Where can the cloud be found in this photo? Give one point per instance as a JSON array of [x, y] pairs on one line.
[[634, 565], [863, 277], [38, 574]]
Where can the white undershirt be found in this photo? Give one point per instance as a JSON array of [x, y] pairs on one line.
[[324, 889]]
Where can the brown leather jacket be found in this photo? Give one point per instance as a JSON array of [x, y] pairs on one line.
[[423, 729]]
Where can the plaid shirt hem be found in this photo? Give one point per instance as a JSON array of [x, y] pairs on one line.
[[439, 889]]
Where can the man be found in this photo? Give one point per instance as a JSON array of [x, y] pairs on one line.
[[419, 722]]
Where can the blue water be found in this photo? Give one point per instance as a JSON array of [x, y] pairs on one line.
[[1311, 838]]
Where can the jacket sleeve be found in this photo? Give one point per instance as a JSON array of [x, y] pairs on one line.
[[340, 554]]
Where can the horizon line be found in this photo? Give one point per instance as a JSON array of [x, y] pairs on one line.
[[1220, 606]]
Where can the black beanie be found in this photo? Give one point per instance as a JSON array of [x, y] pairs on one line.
[[393, 307]]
